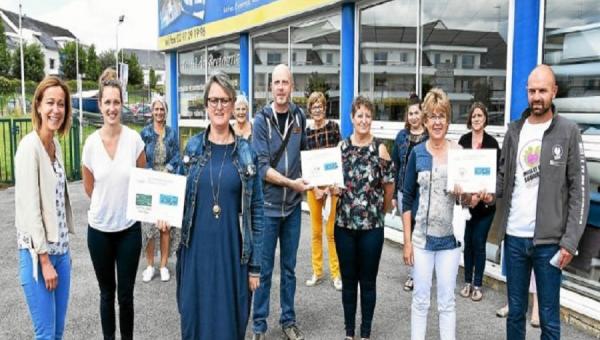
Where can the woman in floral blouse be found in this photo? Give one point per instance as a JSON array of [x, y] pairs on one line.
[[369, 182]]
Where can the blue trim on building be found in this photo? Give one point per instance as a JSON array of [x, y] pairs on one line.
[[245, 64], [347, 68], [525, 52], [173, 93]]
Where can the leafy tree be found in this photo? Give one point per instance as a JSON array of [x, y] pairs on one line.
[[152, 78], [136, 75], [92, 69], [4, 53], [68, 60], [106, 60], [33, 58], [316, 83]]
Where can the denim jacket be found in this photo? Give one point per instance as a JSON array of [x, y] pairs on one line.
[[399, 156], [150, 137], [196, 156]]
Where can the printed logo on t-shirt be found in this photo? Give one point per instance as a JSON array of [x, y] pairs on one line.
[[529, 161]]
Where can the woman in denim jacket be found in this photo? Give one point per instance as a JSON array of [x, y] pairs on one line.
[[162, 154], [218, 262], [413, 133]]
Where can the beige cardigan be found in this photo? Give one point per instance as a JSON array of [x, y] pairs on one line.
[[35, 195]]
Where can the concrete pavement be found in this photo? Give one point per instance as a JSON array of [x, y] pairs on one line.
[[318, 309]]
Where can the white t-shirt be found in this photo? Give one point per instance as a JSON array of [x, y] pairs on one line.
[[523, 206], [108, 206]]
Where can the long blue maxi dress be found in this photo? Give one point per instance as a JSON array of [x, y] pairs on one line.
[[214, 296]]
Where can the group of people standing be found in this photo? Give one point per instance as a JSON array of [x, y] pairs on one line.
[[243, 194]]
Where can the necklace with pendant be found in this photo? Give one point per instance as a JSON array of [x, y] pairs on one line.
[[216, 209]]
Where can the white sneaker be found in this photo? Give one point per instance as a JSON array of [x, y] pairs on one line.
[[314, 280], [164, 274], [337, 283], [148, 274]]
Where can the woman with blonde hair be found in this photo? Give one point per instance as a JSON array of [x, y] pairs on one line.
[[322, 133], [241, 125], [162, 154], [432, 245], [43, 215]]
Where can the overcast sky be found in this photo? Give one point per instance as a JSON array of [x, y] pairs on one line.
[[95, 21]]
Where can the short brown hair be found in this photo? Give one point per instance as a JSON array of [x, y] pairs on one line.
[[477, 105], [46, 83], [108, 78], [413, 100], [316, 97], [362, 101], [222, 79], [437, 98]]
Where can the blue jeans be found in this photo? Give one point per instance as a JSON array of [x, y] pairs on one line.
[[521, 256], [476, 232], [48, 310], [287, 230], [359, 252]]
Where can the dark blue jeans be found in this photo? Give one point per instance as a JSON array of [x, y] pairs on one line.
[[476, 233], [521, 256], [359, 252], [287, 230]]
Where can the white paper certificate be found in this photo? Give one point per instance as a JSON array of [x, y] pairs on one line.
[[473, 170], [155, 195], [322, 167]]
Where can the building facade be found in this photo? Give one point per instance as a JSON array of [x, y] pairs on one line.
[[386, 49]]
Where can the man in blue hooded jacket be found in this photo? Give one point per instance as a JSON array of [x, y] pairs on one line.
[[277, 138]]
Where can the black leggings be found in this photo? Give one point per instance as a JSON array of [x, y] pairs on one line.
[[123, 249], [359, 252]]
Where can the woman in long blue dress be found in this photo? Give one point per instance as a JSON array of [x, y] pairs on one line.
[[218, 263]]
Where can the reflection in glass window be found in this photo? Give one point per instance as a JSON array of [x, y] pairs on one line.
[[192, 78], [267, 49], [225, 57], [316, 68], [572, 48], [464, 53], [387, 65]]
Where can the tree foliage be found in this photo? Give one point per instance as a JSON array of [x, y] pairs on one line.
[[152, 78], [317, 83], [33, 62], [93, 69], [68, 60], [4, 53], [136, 75], [106, 59]]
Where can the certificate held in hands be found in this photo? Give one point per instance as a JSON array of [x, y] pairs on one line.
[[322, 167], [154, 196], [472, 170]]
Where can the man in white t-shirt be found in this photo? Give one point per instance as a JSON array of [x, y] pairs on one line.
[[543, 179]]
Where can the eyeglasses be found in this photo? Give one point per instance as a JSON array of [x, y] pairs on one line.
[[316, 108], [214, 101], [436, 118]]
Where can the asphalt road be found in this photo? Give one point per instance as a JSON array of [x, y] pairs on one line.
[[318, 309]]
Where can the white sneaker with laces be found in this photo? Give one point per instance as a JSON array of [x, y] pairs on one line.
[[337, 283], [164, 274], [314, 280], [148, 274]]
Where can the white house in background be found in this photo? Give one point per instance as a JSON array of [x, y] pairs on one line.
[[50, 38], [149, 59]]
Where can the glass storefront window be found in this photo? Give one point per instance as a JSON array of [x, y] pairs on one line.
[[388, 56], [572, 48], [316, 66], [192, 78], [464, 53], [269, 50], [225, 57]]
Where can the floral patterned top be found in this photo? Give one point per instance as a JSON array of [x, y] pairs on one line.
[[160, 155], [62, 246], [360, 206]]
